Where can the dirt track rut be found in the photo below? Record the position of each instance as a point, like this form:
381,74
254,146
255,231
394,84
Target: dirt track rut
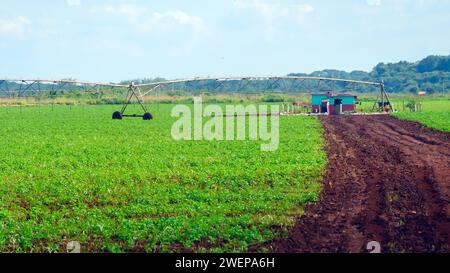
387,180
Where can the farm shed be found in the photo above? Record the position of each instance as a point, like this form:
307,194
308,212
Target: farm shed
334,104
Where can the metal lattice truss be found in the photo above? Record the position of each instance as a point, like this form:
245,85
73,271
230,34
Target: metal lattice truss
11,87
284,83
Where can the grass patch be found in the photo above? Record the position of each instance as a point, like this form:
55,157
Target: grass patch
434,120
435,114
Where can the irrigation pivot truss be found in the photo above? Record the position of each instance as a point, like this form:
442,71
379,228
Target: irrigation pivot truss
18,87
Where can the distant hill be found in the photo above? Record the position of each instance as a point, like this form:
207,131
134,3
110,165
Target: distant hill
431,74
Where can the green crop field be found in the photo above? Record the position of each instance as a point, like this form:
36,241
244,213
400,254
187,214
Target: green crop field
70,173
435,110
435,114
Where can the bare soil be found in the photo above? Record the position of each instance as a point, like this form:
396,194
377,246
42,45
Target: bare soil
387,180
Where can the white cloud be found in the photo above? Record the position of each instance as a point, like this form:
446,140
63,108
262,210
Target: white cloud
373,2
174,17
17,27
73,2
132,12
398,4
275,14
272,10
303,8
145,20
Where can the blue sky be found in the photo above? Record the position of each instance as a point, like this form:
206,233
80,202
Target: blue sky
102,40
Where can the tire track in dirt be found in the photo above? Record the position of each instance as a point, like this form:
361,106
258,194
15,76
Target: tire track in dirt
387,180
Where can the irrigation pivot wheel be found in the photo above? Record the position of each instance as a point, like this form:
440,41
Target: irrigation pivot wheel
148,116
117,115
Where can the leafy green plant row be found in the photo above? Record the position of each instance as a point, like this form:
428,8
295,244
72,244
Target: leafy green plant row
70,173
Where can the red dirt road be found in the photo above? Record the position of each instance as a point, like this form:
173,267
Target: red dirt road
387,180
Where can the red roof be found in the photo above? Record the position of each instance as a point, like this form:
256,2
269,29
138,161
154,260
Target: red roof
343,95
329,94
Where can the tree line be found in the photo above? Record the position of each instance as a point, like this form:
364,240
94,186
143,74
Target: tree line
431,75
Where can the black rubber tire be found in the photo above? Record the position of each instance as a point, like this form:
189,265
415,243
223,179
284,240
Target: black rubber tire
148,116
117,115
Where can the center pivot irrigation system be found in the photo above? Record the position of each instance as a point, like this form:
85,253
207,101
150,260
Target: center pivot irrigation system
20,87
